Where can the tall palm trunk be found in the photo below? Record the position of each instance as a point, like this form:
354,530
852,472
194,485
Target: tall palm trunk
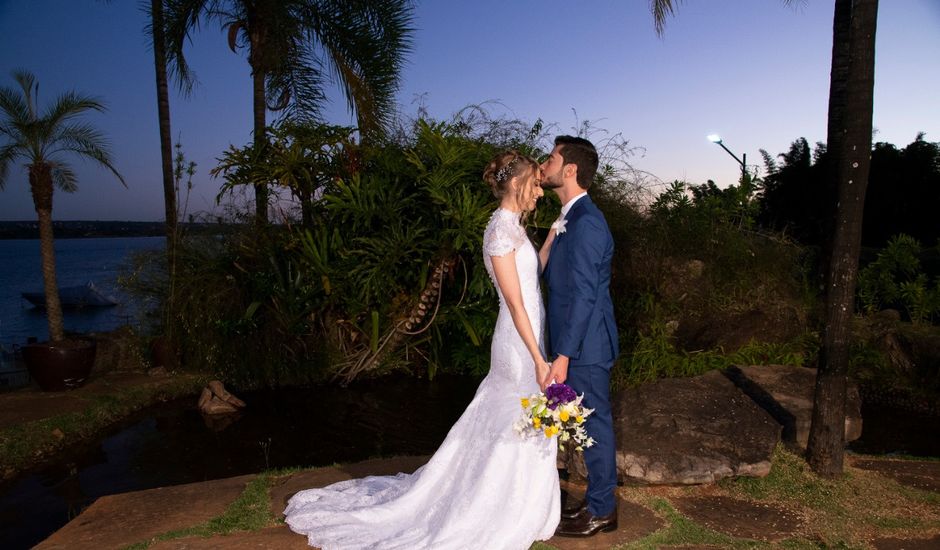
849,146
166,143
260,106
166,161
40,184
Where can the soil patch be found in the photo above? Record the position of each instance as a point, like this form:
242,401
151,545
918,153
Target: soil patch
633,523
918,474
908,544
741,518
117,521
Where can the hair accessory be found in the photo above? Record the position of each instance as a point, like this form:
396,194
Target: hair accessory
503,173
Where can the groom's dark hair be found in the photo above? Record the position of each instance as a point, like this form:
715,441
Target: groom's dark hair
581,153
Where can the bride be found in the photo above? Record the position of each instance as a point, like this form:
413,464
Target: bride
486,486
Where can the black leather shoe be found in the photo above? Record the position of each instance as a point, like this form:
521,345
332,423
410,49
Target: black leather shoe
573,508
587,525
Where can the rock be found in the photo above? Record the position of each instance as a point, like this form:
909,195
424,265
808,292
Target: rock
219,391
688,431
215,399
58,434
786,392
158,371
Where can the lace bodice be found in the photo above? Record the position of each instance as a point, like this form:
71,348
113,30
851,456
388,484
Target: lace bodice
504,234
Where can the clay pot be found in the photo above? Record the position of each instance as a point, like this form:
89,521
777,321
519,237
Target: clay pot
60,366
161,354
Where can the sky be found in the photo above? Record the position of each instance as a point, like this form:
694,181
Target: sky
755,72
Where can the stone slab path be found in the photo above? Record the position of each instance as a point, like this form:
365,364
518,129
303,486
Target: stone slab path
117,521
120,520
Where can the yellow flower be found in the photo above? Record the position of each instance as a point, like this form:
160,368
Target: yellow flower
548,432
579,419
564,416
536,422
554,430
525,403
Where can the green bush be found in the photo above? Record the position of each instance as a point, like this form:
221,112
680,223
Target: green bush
895,280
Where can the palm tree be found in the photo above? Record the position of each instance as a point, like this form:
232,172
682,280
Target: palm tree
41,140
293,44
848,141
156,30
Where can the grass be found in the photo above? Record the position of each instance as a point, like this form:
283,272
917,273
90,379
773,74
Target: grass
251,511
681,530
24,445
847,511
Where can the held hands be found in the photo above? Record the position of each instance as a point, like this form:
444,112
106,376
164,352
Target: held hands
541,372
558,372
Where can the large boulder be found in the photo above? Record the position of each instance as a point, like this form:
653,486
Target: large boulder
688,431
786,392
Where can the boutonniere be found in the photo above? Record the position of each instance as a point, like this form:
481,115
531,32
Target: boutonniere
559,226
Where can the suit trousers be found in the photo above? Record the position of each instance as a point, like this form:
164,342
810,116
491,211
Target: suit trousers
601,461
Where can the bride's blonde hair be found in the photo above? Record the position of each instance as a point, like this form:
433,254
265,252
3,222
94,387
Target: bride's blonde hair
505,166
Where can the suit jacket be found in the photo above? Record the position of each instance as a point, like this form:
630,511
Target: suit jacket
581,321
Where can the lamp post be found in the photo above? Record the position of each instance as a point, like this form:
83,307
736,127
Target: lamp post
715,138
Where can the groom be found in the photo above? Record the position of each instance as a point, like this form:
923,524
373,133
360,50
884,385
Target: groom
581,327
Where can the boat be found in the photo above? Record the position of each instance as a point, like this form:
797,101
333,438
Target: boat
86,295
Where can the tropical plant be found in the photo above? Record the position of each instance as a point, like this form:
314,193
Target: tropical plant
295,47
42,139
895,279
305,158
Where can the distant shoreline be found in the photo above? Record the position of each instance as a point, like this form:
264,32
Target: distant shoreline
92,229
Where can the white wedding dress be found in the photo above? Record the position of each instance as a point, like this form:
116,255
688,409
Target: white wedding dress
486,487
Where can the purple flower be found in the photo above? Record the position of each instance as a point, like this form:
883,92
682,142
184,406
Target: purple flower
558,394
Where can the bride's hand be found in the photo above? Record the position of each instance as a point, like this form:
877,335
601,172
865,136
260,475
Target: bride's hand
541,372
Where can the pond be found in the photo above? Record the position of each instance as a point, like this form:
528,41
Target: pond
171,443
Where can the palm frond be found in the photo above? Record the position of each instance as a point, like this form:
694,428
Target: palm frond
365,44
68,106
8,152
63,177
85,141
662,9
14,108
28,85
180,18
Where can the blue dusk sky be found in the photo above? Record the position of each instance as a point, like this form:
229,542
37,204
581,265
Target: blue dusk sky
754,71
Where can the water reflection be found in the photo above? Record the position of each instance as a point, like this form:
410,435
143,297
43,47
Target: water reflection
171,444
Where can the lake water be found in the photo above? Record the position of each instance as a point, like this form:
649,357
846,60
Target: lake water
78,261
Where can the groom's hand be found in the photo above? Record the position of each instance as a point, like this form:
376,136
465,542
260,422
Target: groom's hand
559,370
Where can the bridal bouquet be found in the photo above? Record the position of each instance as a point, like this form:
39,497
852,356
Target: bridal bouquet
556,412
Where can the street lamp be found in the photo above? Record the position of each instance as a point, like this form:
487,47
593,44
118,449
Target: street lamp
715,138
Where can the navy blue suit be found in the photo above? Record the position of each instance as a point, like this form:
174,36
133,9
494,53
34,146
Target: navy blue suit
581,326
